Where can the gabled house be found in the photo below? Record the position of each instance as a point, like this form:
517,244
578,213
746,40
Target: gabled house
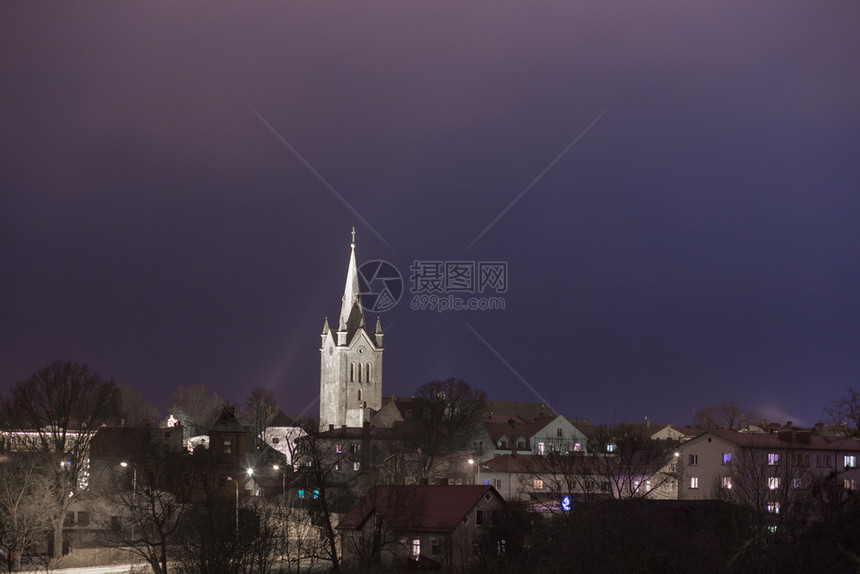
434,526
539,436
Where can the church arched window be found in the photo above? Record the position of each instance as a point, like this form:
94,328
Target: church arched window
359,394
367,372
359,371
352,372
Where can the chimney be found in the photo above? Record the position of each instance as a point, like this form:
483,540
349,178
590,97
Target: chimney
647,423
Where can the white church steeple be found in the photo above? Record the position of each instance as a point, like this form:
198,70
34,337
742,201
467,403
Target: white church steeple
350,361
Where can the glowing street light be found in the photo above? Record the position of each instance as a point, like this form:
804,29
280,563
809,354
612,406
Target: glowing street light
133,492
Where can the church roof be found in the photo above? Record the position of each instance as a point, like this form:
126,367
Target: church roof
351,312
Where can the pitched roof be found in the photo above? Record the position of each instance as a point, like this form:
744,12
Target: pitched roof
417,508
519,409
279,419
786,440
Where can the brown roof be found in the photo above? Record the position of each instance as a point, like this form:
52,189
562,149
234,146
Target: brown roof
804,440
519,409
417,508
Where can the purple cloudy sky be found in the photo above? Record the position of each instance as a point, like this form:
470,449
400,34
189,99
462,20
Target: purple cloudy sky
699,243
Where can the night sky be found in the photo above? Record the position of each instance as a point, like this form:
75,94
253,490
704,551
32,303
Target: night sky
678,184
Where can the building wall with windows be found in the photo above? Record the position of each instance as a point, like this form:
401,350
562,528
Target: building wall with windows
791,459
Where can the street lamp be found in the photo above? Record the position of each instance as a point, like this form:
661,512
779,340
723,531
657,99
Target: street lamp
133,492
283,479
236,484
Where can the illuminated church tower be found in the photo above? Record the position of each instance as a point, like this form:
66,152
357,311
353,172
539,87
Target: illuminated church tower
350,361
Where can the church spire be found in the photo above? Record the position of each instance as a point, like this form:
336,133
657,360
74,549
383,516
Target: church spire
351,313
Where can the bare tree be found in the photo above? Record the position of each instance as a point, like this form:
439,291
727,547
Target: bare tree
447,413
727,414
57,411
135,410
845,411
260,405
26,502
197,408
622,463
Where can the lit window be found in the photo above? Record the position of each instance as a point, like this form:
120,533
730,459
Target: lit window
773,483
541,448
316,493
773,507
577,447
338,448
228,447
538,484
647,486
416,548
727,482
356,466
694,482
848,484
796,482
727,458
301,493
610,447
635,486
772,459
850,461
694,459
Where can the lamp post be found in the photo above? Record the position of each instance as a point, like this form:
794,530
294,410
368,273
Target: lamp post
236,484
133,492
283,479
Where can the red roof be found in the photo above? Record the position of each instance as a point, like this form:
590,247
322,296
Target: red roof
417,508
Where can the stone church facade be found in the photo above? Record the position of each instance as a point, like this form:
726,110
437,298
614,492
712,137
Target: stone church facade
350,361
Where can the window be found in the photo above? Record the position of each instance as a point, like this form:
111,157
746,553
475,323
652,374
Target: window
772,459
822,460
647,486
69,519
694,482
773,507
83,518
541,448
356,466
359,372
590,484
354,447
337,466
301,493
367,373
338,448
416,548
228,447
359,394
479,517
727,458
538,484
850,461
352,372
727,482
796,482
635,486
610,447
694,459
848,484
559,432
521,444
498,483
276,440
800,459
773,483
577,447
435,548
